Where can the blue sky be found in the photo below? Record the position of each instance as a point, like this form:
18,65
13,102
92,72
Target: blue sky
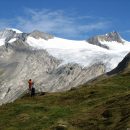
71,19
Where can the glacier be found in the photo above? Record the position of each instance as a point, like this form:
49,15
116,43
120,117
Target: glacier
81,52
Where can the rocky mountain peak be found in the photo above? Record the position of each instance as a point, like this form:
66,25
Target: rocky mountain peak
109,37
38,34
8,34
112,36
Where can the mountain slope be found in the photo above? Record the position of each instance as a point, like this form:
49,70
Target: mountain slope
54,64
19,62
101,105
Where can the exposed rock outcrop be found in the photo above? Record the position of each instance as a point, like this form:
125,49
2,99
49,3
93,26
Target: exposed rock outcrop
37,34
113,36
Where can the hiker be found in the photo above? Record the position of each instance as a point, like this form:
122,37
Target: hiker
30,84
33,90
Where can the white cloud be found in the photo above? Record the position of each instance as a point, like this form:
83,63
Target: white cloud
58,22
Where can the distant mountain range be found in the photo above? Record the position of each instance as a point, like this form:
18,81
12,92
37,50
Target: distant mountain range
55,64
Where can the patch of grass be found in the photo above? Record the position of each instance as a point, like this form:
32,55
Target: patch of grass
102,105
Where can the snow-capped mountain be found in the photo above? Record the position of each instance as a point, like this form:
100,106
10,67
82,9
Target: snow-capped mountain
106,40
55,64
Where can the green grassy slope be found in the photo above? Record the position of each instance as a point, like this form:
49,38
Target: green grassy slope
102,105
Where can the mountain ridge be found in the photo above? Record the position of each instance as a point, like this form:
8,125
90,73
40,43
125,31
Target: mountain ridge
110,36
55,64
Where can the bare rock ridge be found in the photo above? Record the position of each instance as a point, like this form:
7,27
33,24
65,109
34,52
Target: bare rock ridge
112,36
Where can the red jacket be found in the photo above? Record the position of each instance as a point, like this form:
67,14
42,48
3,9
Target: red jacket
30,84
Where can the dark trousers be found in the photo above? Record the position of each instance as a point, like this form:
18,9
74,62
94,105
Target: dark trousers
32,92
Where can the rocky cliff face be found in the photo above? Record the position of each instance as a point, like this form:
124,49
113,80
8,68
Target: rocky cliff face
19,62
